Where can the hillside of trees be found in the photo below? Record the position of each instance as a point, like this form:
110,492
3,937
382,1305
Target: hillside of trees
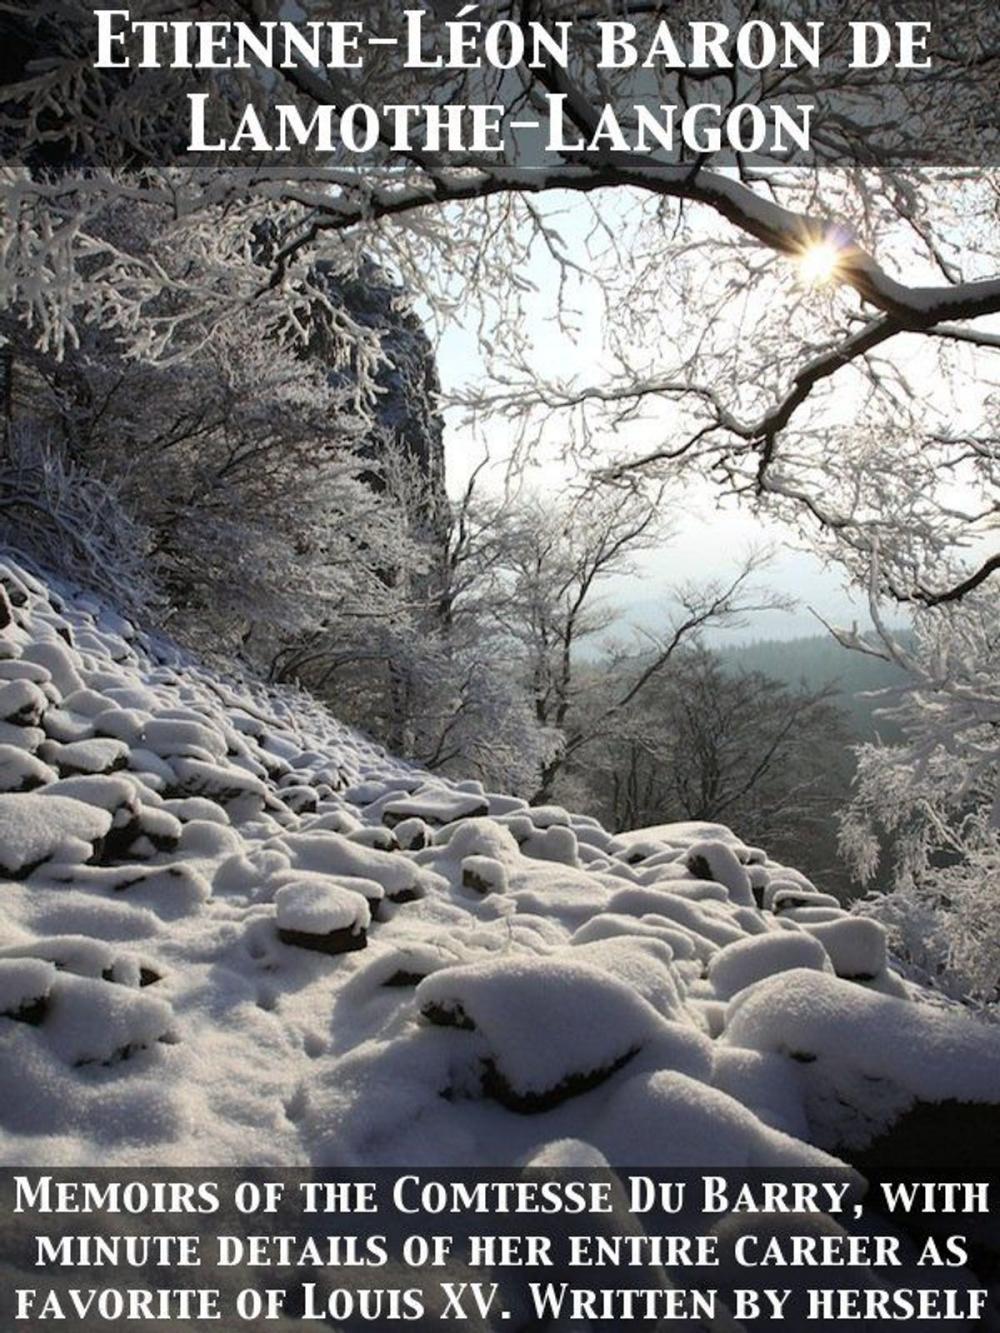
861,684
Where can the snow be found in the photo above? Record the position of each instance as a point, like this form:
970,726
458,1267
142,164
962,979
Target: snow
95,1022
567,1154
22,703
682,1122
609,924
86,702
122,724
173,736
70,953
479,837
63,726
84,756
28,738
554,843
645,964
681,834
412,834
316,908
544,1020
876,1052
568,898
35,829
715,861
856,945
21,771
58,661
104,792
548,816
484,874
17,669
191,808
195,777
153,830
434,806
533,988
709,930
781,896
766,1084
22,981
332,854
748,961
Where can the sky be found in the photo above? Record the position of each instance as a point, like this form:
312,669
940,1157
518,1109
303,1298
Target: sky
709,538
707,541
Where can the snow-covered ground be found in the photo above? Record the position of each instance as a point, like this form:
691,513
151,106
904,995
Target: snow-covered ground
233,931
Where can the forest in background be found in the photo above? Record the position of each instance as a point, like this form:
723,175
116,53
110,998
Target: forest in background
817,660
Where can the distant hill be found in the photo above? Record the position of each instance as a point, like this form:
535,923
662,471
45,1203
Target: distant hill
817,660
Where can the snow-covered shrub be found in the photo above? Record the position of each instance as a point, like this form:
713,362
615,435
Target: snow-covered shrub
247,462
933,797
72,520
452,700
944,920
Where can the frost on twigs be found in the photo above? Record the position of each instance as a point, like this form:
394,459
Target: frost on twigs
69,519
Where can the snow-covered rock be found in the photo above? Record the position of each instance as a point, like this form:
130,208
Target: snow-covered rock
34,830
182,736
717,861
645,964
327,916
741,964
22,771
22,703
91,756
686,1123
435,807
25,984
866,1058
97,1022
483,874
553,1027
856,946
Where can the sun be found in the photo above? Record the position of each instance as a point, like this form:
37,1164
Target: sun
818,263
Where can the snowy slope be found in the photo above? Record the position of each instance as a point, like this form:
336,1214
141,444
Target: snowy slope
233,931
